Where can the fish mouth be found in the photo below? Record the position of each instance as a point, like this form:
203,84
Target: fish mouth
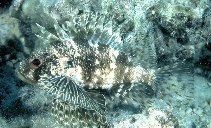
23,78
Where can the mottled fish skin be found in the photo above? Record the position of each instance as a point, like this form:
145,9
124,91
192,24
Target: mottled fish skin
76,117
84,53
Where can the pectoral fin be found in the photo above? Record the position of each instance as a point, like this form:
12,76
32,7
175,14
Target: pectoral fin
68,91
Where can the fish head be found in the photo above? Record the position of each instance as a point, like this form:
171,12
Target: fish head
30,69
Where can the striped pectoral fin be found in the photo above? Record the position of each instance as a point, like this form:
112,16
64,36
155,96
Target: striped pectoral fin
68,91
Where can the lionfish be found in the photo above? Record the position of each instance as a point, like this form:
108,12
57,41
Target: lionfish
83,54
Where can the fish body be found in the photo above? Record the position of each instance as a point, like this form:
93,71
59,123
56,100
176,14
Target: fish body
82,54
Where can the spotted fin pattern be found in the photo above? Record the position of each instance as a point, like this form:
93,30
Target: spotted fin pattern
77,117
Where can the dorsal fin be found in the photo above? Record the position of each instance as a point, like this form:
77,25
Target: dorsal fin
84,29
45,34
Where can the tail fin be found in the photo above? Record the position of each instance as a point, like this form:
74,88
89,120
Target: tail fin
177,69
175,83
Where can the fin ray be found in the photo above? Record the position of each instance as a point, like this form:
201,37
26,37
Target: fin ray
68,91
44,34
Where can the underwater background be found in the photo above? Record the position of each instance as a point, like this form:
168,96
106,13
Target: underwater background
178,32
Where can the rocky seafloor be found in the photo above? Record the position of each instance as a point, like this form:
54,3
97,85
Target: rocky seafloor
179,30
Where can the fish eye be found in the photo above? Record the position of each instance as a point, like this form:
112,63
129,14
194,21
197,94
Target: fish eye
36,62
